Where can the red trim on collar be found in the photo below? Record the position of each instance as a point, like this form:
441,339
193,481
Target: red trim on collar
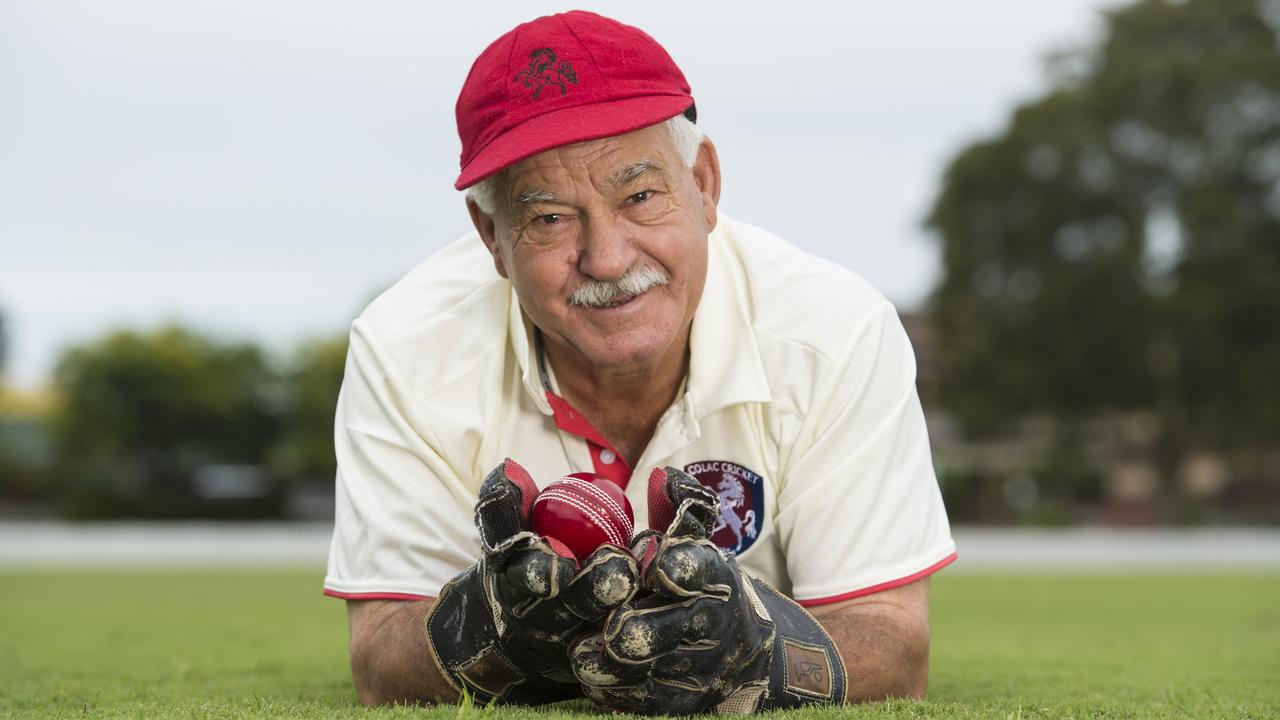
571,421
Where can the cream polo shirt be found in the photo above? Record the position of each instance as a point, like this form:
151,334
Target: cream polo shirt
799,409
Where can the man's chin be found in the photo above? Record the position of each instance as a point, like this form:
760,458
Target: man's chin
633,334
624,350
622,357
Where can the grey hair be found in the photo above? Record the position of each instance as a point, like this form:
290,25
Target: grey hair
600,293
685,136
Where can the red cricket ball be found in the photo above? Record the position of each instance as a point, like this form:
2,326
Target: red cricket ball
584,511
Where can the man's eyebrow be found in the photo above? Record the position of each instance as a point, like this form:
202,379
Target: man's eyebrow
628,173
529,197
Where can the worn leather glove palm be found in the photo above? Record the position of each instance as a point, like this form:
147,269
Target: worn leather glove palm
501,629
709,636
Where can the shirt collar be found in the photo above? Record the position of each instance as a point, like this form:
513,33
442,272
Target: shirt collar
724,364
521,335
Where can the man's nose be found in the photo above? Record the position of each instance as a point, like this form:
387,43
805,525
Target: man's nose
608,250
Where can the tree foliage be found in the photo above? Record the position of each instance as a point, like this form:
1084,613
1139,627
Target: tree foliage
4,348
140,413
1117,246
170,396
312,383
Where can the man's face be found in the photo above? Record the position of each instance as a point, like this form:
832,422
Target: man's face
587,226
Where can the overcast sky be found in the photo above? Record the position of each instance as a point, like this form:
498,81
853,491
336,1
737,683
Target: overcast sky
262,169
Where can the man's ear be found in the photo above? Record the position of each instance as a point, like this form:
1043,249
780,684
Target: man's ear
488,234
706,175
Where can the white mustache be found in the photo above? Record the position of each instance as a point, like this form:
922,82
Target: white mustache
598,293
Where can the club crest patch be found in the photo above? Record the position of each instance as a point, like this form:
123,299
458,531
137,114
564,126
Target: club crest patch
741,494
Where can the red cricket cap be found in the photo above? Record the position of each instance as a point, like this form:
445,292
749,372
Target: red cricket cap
559,80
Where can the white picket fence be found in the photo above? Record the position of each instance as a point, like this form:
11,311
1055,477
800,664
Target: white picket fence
306,545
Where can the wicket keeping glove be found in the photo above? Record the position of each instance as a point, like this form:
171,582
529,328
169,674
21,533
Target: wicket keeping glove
709,637
501,629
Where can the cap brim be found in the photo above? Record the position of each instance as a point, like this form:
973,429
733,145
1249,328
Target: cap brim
568,126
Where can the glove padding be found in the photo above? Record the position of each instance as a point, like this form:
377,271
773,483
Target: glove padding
501,629
709,637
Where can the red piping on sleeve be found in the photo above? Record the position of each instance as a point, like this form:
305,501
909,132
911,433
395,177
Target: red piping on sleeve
375,595
882,586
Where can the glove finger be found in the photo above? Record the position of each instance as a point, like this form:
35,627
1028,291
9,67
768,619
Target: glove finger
548,621
654,697
679,505
539,571
653,627
609,577
595,669
692,668
636,688
682,567
506,499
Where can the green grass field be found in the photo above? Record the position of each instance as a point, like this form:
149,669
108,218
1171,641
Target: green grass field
264,644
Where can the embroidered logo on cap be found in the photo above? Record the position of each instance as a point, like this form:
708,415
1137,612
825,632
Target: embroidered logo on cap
544,71
741,494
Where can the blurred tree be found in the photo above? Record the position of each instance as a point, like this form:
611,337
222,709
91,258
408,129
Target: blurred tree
165,402
312,383
1117,246
4,348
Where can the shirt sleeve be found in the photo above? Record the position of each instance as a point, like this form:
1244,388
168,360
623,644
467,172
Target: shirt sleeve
403,517
859,509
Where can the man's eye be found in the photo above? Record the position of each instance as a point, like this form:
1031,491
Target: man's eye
640,197
549,219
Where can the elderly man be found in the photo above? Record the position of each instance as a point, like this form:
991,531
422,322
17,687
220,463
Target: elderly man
756,404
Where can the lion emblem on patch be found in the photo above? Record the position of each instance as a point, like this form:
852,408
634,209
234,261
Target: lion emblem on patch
741,494
543,70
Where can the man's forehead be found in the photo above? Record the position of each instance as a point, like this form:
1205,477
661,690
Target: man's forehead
614,160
